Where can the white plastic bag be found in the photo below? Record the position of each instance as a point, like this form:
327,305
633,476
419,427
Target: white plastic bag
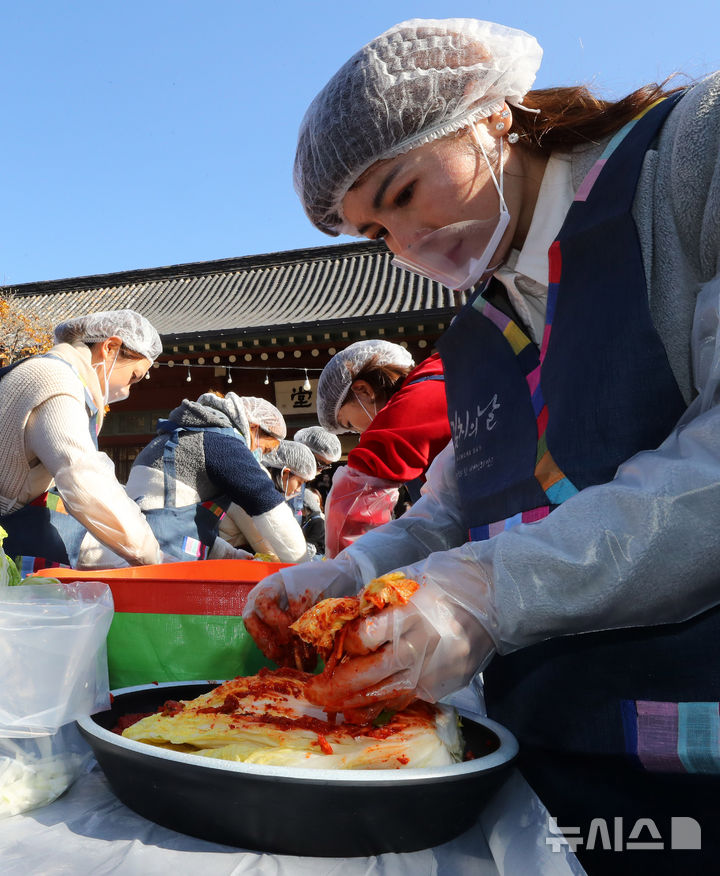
36,770
53,669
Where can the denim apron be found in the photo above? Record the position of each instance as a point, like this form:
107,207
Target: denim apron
188,532
43,534
612,725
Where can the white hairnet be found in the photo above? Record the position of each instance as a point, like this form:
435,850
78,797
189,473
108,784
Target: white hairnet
261,413
344,367
131,327
320,441
293,455
418,81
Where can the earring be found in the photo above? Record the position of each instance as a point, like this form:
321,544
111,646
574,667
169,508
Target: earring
513,137
500,126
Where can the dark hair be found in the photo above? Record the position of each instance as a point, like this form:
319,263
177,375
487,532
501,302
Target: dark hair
385,379
124,352
573,115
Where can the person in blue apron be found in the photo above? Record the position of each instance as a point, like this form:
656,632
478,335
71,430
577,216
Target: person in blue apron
60,501
374,388
206,456
566,542
291,465
326,449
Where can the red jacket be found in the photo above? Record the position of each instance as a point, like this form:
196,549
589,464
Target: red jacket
398,446
409,432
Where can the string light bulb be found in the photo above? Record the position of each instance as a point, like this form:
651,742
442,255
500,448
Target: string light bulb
188,378
267,378
229,378
306,385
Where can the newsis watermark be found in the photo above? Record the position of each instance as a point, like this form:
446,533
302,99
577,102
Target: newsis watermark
619,835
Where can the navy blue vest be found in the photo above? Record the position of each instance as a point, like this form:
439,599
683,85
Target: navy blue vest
530,428
187,532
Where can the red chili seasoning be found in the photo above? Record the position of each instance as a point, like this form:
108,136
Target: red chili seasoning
172,707
325,746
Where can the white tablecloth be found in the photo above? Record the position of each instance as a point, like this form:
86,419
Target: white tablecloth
89,832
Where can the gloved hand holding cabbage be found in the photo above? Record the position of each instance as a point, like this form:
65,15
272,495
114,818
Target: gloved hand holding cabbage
280,599
425,649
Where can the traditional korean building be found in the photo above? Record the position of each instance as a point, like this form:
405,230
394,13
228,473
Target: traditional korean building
262,325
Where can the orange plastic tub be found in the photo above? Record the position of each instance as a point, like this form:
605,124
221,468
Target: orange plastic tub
178,621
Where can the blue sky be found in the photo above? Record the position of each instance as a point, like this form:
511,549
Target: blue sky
154,132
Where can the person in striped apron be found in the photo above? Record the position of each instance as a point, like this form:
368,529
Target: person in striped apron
60,501
566,541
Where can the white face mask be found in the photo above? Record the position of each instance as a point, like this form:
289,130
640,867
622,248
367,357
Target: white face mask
117,394
449,254
295,492
370,416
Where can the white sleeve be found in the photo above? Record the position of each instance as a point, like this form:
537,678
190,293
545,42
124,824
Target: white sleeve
639,550
433,523
57,433
274,532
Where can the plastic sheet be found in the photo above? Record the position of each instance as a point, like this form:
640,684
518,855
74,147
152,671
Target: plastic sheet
90,831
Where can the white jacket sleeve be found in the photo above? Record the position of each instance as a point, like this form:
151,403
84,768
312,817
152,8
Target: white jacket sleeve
433,523
274,532
637,551
86,480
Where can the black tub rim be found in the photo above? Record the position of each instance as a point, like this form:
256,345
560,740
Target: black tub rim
505,753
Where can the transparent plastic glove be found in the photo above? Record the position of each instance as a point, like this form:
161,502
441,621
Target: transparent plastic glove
221,550
427,649
281,598
356,503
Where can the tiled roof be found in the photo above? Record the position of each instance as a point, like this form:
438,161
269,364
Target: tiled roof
342,284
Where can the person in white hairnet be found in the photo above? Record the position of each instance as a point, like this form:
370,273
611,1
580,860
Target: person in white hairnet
291,464
566,541
325,448
205,458
400,412
60,500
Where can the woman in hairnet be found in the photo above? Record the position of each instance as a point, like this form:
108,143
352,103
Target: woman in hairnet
325,448
567,539
51,410
400,411
205,457
290,466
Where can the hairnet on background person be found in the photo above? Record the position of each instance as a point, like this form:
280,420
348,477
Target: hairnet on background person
293,455
320,441
311,501
418,81
236,408
260,412
136,333
344,367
